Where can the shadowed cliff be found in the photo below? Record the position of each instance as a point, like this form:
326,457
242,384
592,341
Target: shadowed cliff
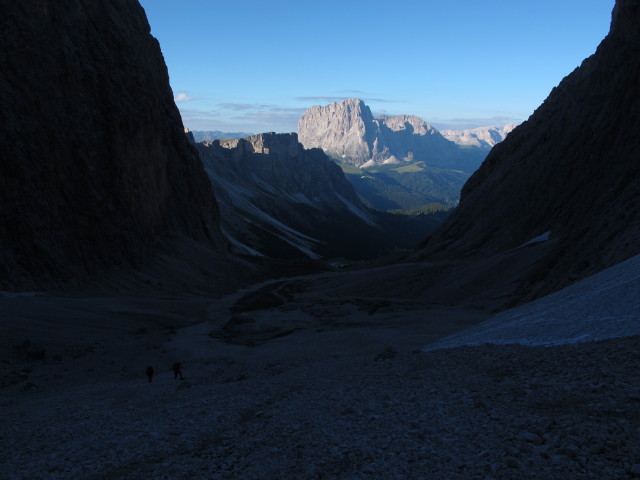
283,201
95,169
572,169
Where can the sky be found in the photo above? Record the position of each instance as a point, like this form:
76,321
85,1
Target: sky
256,66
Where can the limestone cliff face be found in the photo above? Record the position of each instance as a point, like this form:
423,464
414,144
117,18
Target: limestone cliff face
341,129
282,162
572,169
348,132
407,137
109,169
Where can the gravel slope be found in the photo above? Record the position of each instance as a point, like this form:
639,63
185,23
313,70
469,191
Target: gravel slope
340,404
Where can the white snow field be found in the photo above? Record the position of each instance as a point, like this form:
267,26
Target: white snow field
603,306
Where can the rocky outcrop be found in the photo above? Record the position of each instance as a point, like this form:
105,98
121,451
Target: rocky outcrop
572,169
282,162
342,129
348,132
109,171
276,198
484,138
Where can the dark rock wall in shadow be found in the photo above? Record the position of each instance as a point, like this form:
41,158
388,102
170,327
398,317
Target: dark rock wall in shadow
573,169
95,168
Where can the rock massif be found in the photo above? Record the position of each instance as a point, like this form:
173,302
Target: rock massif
394,162
280,200
572,169
341,129
348,132
110,170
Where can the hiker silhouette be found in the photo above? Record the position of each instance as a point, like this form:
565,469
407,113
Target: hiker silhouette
149,372
176,368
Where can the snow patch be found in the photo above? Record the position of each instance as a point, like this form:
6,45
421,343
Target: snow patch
605,305
238,244
392,160
539,239
301,246
358,212
368,163
302,198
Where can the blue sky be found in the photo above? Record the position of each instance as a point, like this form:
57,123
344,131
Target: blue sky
256,66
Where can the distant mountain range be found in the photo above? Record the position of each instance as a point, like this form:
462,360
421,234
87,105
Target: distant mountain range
210,135
396,162
280,200
348,132
484,138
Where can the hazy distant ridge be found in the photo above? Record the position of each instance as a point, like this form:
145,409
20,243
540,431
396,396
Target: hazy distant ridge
484,138
211,135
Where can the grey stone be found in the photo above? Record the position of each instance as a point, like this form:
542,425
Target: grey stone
531,438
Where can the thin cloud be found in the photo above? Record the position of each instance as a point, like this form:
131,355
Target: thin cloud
379,100
320,99
243,117
298,111
286,119
331,99
182,97
243,106
255,110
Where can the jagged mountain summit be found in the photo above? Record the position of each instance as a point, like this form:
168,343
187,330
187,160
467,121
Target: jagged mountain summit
571,173
484,138
281,200
110,172
348,132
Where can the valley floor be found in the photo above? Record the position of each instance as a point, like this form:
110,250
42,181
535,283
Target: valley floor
352,399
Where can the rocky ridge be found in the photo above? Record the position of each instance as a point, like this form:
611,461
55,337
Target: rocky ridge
110,172
279,199
571,170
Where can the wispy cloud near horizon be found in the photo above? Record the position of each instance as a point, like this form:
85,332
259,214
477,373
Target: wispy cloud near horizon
244,106
182,97
243,117
332,99
264,117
